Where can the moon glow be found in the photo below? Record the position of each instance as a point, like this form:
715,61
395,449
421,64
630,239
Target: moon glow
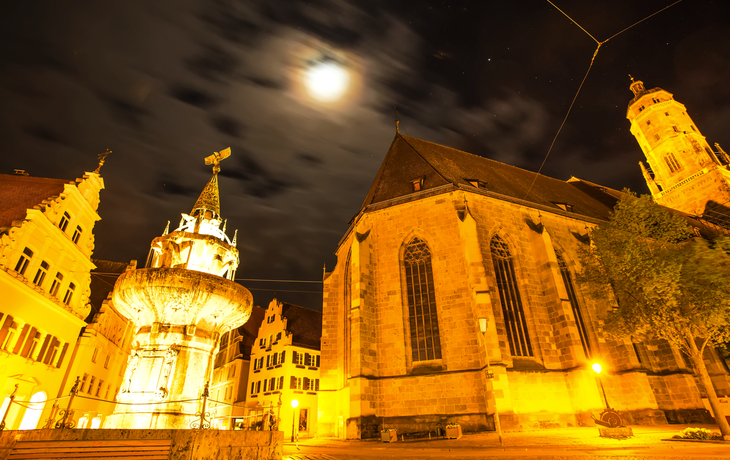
327,81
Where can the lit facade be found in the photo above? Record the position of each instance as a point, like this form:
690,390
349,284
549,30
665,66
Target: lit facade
180,303
230,373
46,242
684,172
285,363
445,238
100,354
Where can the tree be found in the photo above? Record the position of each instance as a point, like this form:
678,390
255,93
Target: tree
667,283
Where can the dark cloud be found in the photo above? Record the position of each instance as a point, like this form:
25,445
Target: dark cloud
166,185
193,96
45,133
310,159
125,112
227,126
253,177
267,83
213,63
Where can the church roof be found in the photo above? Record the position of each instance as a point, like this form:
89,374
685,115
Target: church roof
18,193
410,159
304,324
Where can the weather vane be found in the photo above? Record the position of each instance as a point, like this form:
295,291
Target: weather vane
632,78
102,158
216,159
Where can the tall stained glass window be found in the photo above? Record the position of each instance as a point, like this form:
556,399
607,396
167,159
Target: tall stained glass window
580,324
509,295
422,315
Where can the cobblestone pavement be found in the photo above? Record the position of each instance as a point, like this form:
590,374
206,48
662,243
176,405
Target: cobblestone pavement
548,444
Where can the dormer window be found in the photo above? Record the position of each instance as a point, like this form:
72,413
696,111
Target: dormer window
417,184
65,219
648,122
676,130
477,183
565,206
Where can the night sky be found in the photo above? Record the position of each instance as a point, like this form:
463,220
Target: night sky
163,84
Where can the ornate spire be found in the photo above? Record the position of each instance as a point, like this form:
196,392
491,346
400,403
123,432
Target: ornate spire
209,199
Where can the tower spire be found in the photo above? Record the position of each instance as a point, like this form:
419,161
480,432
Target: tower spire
209,199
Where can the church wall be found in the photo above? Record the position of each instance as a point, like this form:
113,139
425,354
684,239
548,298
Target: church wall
556,385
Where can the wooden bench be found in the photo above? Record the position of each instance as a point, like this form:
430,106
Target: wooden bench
125,449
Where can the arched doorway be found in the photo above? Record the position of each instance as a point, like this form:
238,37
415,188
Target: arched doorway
33,412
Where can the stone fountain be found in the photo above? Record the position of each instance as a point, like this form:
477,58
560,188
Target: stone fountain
180,303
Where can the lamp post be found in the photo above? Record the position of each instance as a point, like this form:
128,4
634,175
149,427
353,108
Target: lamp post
294,404
490,391
597,369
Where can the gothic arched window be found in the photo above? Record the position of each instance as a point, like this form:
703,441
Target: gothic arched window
346,312
580,324
422,315
514,315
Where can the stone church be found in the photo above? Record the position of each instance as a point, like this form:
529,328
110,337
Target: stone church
445,238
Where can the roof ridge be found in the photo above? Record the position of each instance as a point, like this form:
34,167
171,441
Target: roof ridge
488,159
419,154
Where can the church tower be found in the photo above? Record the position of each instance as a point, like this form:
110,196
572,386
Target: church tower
683,171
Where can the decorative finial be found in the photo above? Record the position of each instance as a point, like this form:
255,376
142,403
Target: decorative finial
235,238
102,158
225,223
397,121
167,229
324,270
216,159
632,78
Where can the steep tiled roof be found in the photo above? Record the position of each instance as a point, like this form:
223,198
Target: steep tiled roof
410,159
18,193
304,324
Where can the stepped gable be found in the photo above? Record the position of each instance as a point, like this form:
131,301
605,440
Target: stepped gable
304,324
409,159
19,193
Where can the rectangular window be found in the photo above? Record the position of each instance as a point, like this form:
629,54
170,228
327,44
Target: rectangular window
93,355
317,363
98,387
307,359
268,360
282,357
272,384
305,385
106,362
316,384
40,275
56,285
676,130
253,387
258,386
91,385
228,393
22,264
656,136
77,235
69,293
280,386
83,382
295,383
64,221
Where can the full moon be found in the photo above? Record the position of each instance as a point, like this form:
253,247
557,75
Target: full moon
327,81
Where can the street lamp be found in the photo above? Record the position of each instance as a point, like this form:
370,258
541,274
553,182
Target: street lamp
490,376
294,405
597,369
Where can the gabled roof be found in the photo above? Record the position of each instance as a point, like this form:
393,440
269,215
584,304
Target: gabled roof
304,324
19,193
410,159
